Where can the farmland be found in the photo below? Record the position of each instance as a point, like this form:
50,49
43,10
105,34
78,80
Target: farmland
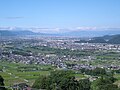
12,75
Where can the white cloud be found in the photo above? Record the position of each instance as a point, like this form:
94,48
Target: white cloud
58,30
86,28
13,18
45,30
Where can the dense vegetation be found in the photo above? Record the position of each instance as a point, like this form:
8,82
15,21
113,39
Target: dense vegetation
61,80
2,83
95,72
104,83
57,79
65,80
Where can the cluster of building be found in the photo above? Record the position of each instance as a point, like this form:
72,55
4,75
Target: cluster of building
54,59
70,44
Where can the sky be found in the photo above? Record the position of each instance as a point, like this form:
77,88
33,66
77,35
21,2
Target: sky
58,15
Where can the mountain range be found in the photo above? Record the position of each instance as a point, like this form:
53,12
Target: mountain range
102,36
110,39
15,33
6,33
80,33
93,33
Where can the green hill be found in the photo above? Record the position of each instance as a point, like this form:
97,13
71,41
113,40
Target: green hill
110,39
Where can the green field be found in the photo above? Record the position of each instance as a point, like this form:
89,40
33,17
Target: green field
12,75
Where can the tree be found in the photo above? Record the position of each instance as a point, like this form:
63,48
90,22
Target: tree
62,80
99,71
104,83
84,84
2,83
41,82
69,84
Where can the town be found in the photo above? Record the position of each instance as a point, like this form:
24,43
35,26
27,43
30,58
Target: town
61,52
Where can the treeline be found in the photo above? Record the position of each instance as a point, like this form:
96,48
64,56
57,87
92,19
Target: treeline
23,53
18,52
27,68
95,72
33,68
98,72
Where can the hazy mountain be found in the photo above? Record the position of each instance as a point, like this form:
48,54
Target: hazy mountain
23,33
15,33
79,33
110,39
115,39
6,33
93,33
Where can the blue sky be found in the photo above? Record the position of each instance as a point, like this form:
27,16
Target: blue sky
60,13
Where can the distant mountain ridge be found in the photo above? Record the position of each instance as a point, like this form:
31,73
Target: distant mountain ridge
110,39
16,33
62,32
93,33
23,33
